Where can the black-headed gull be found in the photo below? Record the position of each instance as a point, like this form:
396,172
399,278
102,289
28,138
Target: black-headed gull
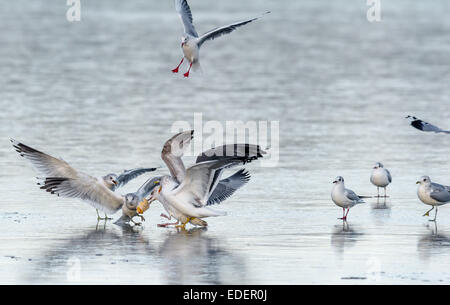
424,126
191,42
343,197
380,177
187,194
432,194
59,178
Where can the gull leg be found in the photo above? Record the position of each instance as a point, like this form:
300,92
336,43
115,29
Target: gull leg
385,192
435,215
164,225
136,223
176,69
141,217
98,216
344,217
187,73
378,191
428,212
107,218
183,225
165,216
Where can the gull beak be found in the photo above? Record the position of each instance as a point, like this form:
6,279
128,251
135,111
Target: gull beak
115,182
418,182
334,181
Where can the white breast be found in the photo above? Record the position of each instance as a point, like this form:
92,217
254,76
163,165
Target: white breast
379,177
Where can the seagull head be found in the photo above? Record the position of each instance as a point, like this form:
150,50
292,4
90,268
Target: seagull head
131,201
184,40
338,180
110,180
378,165
424,180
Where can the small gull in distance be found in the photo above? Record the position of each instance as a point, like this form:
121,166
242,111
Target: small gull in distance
191,42
425,126
380,177
343,197
433,194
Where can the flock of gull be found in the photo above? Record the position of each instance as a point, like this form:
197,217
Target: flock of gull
430,193
187,194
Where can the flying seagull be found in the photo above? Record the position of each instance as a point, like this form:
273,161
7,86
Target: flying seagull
59,178
380,177
425,126
343,197
432,194
187,194
191,41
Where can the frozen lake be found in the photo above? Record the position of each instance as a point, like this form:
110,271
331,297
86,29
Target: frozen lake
100,94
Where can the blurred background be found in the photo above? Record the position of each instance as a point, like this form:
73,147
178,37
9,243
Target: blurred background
100,94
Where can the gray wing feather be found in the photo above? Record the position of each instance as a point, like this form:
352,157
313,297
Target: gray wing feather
147,187
389,176
131,174
220,31
226,187
425,126
184,11
440,192
352,195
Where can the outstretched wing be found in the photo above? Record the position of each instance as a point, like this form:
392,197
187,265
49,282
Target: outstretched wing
45,164
201,180
227,29
131,174
184,11
440,193
226,187
249,151
85,188
172,152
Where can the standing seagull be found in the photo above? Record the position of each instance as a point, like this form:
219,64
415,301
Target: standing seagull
380,177
191,42
62,179
432,194
343,197
425,126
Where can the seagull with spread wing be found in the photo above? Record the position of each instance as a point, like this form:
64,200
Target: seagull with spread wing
191,41
59,178
425,126
187,194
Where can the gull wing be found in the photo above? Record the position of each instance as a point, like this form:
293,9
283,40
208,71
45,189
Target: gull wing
184,11
440,192
226,187
249,151
223,30
172,152
86,188
425,126
131,174
45,164
201,179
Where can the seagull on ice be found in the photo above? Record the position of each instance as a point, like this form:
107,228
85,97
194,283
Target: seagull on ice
59,178
425,126
343,197
380,177
191,41
432,194
187,194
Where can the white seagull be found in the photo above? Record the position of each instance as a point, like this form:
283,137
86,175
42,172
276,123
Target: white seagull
432,194
59,178
425,126
191,42
187,194
343,197
380,177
